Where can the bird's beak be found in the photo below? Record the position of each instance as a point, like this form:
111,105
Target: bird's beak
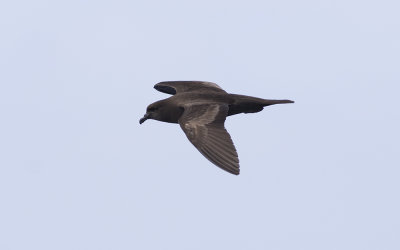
145,117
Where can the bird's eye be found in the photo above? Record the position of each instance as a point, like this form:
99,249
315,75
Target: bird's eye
152,109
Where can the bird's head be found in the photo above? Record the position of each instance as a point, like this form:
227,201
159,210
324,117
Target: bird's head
154,111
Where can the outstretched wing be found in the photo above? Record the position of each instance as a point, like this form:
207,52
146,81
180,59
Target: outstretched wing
173,87
203,125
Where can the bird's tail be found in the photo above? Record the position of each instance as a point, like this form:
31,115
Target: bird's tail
249,104
266,102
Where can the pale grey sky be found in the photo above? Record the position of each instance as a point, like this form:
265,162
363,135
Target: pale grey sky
77,171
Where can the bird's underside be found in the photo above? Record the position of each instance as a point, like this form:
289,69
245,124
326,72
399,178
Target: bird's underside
201,109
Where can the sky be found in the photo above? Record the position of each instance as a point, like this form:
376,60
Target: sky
77,171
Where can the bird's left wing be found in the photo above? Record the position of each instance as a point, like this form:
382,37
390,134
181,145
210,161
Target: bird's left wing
174,87
203,125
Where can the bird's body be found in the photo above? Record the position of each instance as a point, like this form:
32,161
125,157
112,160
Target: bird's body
201,109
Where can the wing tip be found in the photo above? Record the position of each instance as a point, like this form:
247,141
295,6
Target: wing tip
236,172
165,89
231,170
172,87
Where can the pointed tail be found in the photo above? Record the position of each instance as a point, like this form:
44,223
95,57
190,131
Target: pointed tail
249,104
272,102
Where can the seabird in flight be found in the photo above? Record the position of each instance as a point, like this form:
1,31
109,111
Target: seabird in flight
201,108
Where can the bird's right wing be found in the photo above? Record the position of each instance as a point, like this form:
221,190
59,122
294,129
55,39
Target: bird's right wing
173,87
203,125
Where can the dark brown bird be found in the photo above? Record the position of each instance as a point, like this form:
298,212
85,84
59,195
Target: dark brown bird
201,108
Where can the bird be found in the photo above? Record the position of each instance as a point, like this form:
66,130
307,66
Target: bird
201,108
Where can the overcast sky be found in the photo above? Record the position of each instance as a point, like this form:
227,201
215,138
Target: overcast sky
77,171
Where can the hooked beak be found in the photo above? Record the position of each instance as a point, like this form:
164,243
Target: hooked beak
145,117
